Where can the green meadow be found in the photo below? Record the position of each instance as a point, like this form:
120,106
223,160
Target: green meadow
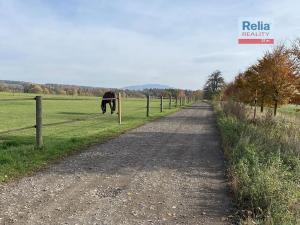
290,109
18,155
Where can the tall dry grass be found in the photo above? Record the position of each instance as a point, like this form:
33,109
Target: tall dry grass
263,164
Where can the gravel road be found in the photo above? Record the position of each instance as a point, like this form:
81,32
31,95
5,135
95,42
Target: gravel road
170,171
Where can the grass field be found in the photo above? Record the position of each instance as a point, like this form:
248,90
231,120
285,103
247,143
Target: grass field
290,109
18,155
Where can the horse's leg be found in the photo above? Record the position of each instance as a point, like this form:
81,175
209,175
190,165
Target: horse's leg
103,106
114,105
111,110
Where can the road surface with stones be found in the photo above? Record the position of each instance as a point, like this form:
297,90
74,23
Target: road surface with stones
170,171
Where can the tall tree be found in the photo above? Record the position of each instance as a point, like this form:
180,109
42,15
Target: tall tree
257,79
214,84
295,52
282,75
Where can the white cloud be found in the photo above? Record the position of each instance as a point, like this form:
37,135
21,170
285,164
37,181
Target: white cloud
120,43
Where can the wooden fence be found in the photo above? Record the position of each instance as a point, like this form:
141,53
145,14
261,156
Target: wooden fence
178,102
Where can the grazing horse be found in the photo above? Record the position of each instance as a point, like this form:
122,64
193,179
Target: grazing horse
108,98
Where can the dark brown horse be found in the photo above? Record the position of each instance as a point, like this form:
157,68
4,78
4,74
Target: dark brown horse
108,98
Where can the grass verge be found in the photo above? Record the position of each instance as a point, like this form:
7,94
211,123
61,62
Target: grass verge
263,166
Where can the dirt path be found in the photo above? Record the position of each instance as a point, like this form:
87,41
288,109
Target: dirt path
167,172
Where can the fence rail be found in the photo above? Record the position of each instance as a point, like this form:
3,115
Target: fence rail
15,99
71,99
178,101
16,129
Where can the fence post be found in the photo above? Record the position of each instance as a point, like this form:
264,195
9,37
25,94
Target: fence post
170,102
39,122
176,101
255,101
119,108
148,106
161,103
180,101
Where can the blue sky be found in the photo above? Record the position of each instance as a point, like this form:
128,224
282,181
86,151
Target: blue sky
116,43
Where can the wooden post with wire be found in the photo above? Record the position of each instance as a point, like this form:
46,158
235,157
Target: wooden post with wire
176,101
161,103
148,106
119,108
39,122
170,101
255,102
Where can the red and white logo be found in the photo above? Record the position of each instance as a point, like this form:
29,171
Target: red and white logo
255,31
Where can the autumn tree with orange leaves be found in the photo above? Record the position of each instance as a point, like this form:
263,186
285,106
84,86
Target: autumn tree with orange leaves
282,75
273,80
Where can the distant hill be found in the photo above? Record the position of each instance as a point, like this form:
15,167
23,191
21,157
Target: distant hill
146,86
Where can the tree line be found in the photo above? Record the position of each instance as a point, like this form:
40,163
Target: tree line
59,89
272,81
74,90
